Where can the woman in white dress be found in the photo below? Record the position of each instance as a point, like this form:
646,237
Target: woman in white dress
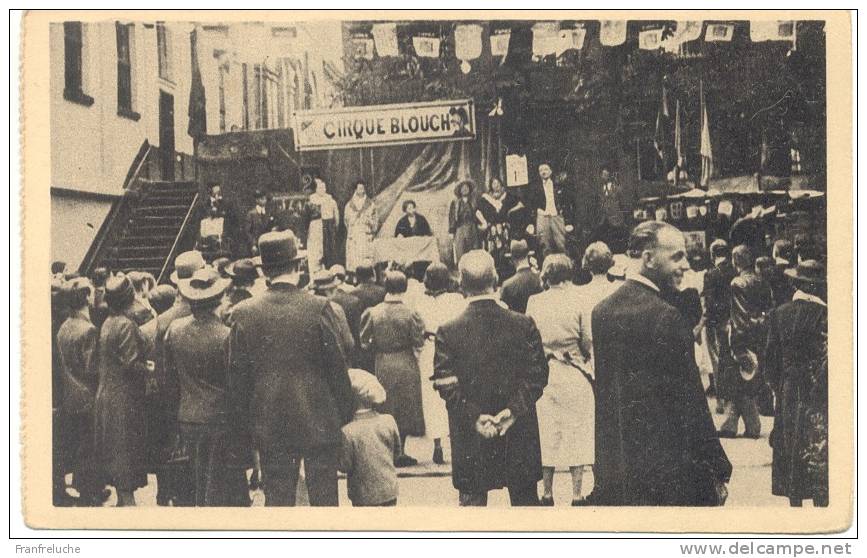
566,408
322,228
435,307
361,221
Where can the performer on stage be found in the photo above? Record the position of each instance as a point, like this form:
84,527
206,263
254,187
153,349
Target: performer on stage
462,220
322,228
361,224
412,223
492,214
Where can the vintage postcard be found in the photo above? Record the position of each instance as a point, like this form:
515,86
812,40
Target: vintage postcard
438,271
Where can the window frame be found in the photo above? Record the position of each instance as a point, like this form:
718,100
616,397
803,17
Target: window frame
125,99
73,64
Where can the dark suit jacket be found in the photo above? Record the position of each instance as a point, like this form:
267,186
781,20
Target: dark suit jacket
421,228
717,293
77,341
257,225
494,372
656,443
370,294
287,371
518,289
563,199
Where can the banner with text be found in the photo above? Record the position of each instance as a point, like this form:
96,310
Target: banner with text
375,125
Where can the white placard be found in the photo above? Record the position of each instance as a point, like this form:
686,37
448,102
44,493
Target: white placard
516,170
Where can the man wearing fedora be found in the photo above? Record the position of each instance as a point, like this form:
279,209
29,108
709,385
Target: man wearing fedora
243,274
518,288
656,444
751,300
288,378
796,365
260,219
162,402
325,285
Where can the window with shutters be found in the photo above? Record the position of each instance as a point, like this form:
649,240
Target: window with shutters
125,72
73,70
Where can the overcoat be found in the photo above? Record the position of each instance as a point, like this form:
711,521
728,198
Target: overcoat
518,289
656,443
288,381
498,360
796,365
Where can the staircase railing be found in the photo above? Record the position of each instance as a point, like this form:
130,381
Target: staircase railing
120,211
182,239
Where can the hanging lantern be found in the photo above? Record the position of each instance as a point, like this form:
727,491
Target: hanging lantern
546,38
468,44
385,37
612,32
500,42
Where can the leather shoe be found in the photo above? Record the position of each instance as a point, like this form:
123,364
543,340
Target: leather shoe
546,501
438,456
726,434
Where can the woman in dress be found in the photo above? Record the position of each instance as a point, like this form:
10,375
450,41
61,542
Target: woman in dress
435,307
462,220
492,214
322,228
566,408
394,332
412,223
598,262
361,224
120,429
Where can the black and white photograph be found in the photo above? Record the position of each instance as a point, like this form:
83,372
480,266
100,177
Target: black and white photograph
514,260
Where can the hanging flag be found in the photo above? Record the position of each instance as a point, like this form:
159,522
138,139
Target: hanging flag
663,131
570,39
612,32
362,47
468,41
706,150
500,42
385,37
678,141
546,38
196,111
772,31
426,46
719,32
650,39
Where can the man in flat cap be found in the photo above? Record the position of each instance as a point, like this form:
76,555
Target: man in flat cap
288,378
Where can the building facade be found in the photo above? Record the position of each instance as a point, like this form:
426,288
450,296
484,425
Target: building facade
115,85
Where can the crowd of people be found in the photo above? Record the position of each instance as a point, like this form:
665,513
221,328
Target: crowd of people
236,373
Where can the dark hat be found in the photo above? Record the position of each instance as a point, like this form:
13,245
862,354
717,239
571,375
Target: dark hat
324,279
518,249
243,270
186,264
468,183
808,271
278,249
119,292
205,284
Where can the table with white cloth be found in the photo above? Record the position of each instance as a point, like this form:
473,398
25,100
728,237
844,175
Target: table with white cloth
405,251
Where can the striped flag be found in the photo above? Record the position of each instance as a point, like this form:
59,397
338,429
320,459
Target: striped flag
706,150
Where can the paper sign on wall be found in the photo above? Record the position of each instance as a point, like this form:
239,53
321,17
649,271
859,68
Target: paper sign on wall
516,170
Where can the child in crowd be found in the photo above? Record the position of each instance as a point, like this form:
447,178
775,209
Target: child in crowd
371,443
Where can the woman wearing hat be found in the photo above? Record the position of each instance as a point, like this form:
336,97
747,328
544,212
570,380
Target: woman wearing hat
462,220
196,358
120,429
394,332
796,365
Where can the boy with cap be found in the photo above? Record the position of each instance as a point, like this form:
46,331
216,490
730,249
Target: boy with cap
371,443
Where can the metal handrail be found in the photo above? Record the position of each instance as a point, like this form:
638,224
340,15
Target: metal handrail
119,210
181,233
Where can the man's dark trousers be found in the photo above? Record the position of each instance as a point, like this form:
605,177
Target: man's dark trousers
280,469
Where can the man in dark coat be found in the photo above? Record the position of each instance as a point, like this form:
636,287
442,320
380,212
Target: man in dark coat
370,294
716,298
518,288
490,368
288,378
655,440
260,220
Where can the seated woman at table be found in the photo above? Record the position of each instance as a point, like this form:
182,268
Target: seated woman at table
412,223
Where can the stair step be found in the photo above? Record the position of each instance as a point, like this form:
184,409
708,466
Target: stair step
143,251
163,210
139,263
146,239
169,198
157,220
